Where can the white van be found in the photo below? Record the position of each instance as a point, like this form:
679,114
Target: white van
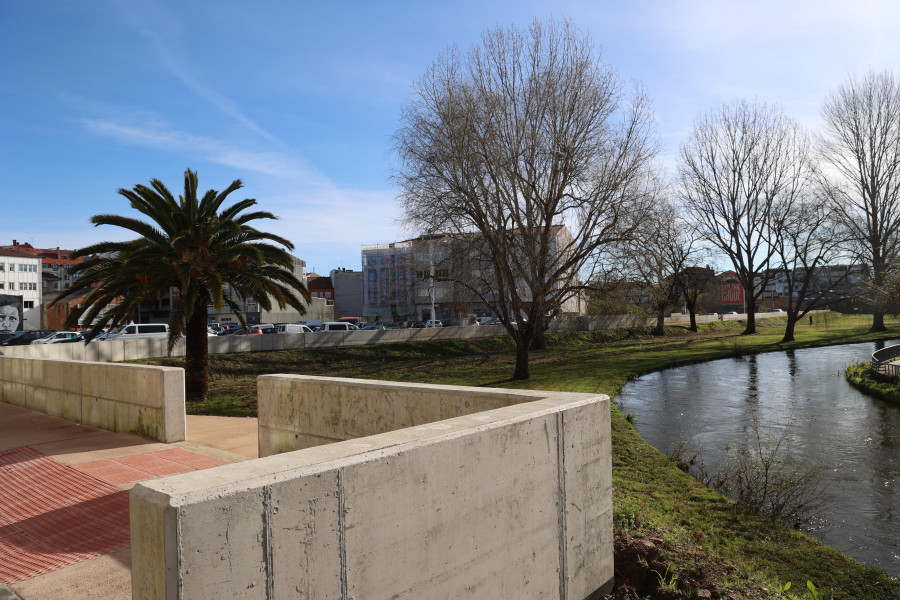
293,328
140,331
338,326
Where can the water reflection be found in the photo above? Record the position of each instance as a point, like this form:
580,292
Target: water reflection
858,438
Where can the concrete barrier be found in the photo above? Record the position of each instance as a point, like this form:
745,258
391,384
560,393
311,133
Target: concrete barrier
513,502
119,350
297,412
143,399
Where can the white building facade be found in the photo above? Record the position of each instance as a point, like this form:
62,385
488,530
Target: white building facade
20,275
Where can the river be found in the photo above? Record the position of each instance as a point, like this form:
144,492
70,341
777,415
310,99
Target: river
857,437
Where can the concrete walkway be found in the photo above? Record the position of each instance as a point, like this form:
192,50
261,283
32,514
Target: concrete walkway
63,497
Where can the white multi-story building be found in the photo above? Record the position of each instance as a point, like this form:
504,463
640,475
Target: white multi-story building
20,275
404,280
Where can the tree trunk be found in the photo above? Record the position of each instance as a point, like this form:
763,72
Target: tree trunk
660,322
538,339
878,320
693,320
751,313
196,358
521,371
789,330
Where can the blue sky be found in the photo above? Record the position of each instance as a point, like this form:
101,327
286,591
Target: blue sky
300,99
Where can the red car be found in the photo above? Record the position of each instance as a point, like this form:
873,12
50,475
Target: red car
248,331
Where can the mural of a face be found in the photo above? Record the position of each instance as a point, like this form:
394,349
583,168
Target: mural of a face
9,319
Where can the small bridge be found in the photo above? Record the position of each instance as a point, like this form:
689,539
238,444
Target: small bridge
884,361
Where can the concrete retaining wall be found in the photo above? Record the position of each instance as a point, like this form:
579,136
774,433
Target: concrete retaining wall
147,400
119,350
297,412
514,502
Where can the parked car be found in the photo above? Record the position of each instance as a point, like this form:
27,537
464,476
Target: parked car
141,331
484,320
338,326
374,328
266,328
248,331
433,323
56,337
24,338
293,328
392,325
81,336
778,310
417,325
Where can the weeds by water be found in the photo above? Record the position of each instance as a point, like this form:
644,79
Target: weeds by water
759,474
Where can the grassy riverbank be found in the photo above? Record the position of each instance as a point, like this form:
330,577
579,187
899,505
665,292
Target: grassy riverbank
671,532
859,377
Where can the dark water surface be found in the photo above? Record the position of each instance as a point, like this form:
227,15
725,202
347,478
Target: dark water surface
857,437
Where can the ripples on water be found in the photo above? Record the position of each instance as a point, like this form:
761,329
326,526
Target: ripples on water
857,437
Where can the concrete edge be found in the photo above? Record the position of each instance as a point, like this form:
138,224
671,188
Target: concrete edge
224,480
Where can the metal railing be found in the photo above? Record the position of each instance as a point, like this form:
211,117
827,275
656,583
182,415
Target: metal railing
881,361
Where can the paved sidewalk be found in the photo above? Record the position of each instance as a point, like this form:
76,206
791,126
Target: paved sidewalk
64,503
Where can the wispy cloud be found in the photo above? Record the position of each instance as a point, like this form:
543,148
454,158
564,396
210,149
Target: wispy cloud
160,137
163,32
311,207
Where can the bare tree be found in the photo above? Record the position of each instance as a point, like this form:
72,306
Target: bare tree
808,242
657,258
695,276
741,170
862,147
527,135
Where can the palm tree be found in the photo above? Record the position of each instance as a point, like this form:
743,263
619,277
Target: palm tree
188,246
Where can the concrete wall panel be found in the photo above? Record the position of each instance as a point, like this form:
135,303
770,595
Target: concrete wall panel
223,543
144,399
463,534
306,551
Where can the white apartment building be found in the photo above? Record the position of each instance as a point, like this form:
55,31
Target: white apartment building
20,275
403,280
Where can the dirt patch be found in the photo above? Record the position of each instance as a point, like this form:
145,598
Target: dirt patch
645,568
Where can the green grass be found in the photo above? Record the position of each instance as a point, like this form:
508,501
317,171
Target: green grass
878,387
704,538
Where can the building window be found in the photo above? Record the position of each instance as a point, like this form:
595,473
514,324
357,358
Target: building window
55,266
44,284
2,267
1,285
28,304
